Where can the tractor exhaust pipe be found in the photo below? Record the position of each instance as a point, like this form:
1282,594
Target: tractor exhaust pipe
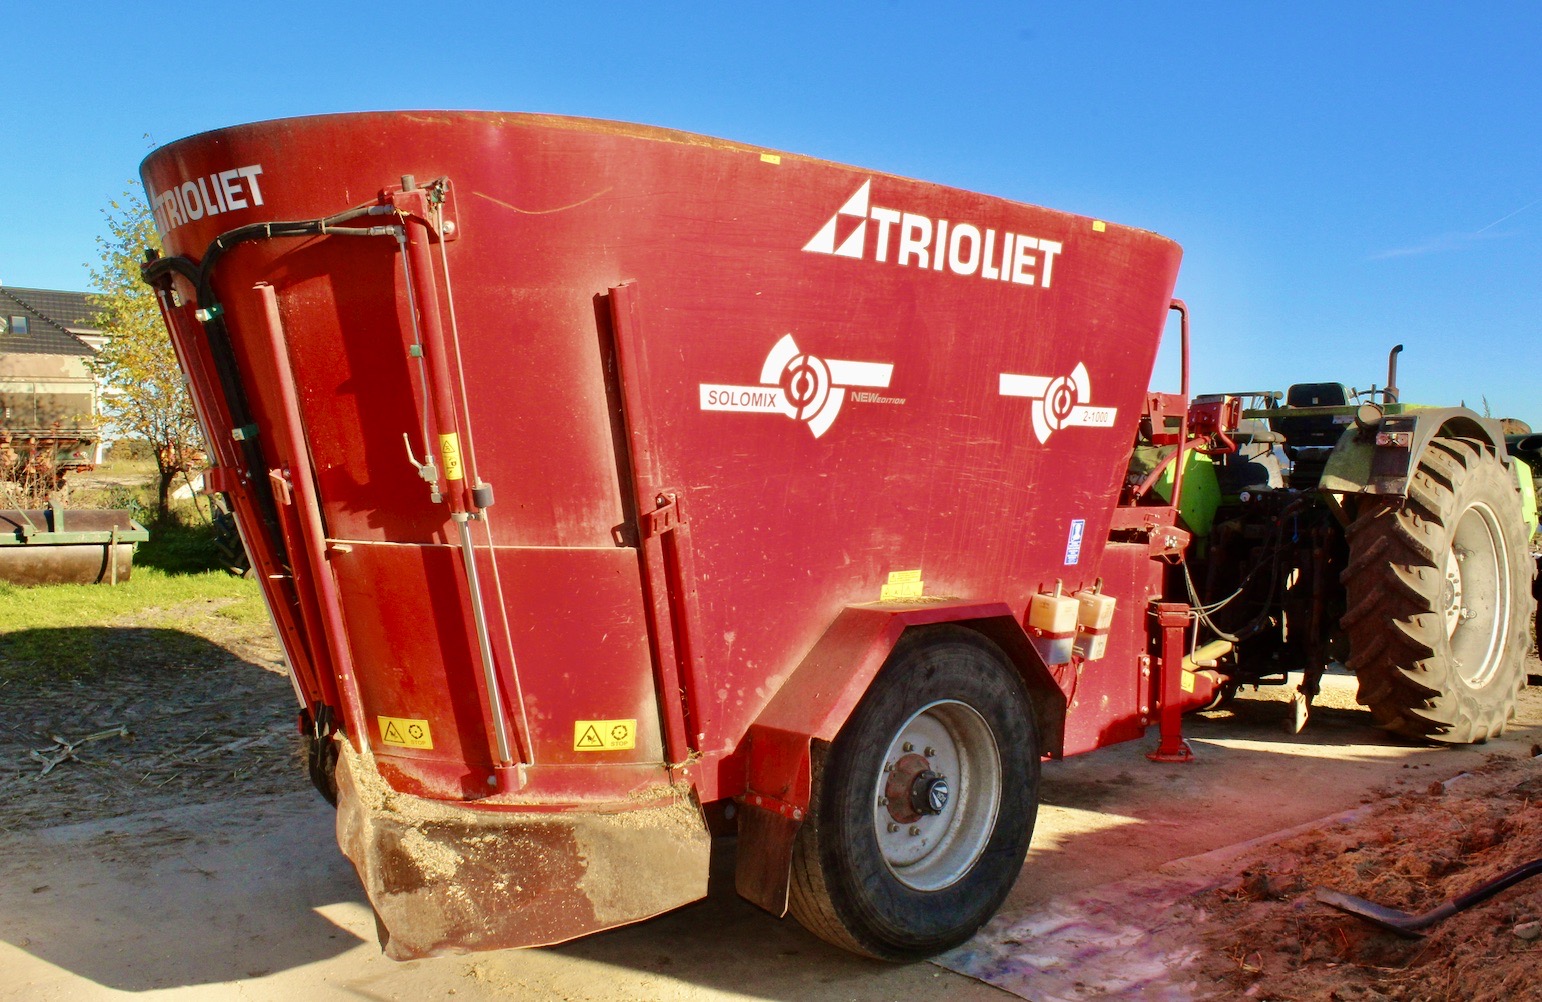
1390,396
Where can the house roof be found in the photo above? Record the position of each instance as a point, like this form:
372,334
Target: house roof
53,317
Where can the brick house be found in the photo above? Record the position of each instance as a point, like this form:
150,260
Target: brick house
46,338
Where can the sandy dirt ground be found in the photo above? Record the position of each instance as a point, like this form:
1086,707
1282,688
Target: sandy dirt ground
194,861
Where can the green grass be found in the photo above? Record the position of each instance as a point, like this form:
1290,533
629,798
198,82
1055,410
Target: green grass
176,602
75,631
50,606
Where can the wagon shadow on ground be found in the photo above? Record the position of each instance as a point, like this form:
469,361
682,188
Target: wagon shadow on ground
182,846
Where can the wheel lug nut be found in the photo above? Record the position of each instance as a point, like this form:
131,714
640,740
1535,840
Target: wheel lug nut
883,801
929,751
909,746
893,827
915,829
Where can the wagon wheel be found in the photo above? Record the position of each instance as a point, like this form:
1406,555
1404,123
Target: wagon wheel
924,806
1439,599
229,548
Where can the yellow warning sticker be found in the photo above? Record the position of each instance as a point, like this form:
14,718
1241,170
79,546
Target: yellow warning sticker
1098,226
405,732
770,158
604,735
902,584
1186,681
449,451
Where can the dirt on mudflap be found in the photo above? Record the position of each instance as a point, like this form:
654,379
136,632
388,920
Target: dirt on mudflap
1268,938
176,719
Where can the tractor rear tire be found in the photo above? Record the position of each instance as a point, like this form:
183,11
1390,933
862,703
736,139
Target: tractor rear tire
884,866
1439,599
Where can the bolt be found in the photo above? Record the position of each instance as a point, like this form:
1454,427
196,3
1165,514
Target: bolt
883,801
909,747
893,827
929,751
888,767
915,829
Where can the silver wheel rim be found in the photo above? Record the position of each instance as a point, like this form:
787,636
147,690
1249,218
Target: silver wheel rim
1476,596
953,743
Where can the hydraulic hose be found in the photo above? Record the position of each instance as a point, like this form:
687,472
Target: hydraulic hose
157,273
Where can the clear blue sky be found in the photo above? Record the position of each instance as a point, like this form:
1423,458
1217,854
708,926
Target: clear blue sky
1342,176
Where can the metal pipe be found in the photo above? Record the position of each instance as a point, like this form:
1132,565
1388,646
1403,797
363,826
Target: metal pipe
1183,421
282,603
479,616
312,533
1390,393
440,394
457,494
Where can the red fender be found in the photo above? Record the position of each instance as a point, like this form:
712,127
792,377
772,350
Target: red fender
815,703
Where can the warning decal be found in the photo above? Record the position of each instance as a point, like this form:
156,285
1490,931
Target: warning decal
604,735
405,732
902,585
449,451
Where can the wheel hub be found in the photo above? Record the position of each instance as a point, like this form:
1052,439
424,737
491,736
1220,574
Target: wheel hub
929,793
1476,595
937,796
905,791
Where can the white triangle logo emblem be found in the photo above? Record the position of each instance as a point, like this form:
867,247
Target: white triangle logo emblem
852,245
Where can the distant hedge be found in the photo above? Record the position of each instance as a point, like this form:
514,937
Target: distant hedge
132,448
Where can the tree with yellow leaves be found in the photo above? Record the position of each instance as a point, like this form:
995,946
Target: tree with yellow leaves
145,394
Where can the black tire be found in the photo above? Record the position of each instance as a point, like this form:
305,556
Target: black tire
882,891
321,765
1439,599
228,546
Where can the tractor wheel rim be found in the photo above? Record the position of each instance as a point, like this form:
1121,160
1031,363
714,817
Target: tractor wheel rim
1477,593
924,847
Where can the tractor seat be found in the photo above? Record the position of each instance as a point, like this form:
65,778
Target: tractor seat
1312,430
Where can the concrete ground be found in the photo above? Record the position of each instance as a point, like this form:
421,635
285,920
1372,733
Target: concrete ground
248,897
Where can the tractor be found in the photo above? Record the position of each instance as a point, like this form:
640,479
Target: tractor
1344,528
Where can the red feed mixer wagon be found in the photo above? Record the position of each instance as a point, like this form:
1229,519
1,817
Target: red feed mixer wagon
613,486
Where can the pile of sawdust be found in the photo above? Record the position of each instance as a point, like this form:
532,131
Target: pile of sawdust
1272,939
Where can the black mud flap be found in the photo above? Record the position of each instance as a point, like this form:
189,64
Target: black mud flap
447,879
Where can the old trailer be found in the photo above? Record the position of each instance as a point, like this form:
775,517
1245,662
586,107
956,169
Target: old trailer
814,511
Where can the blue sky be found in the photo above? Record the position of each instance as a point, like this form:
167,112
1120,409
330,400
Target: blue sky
1342,176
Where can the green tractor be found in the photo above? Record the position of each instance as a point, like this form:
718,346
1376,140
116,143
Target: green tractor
1339,527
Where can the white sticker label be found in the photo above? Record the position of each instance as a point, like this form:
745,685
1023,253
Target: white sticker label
1073,543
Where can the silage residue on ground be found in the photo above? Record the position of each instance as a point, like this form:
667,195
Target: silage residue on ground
1268,937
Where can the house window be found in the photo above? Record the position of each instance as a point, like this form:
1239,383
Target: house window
19,326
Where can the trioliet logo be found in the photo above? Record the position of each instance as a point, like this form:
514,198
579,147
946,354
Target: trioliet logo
911,240
216,193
